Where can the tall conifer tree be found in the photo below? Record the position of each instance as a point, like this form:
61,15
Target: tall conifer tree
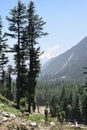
16,25
3,57
34,31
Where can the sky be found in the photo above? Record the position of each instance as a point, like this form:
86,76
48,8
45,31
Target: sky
66,23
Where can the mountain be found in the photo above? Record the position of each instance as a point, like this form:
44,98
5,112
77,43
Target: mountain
69,65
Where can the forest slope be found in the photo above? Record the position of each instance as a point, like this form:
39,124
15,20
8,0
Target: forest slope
68,66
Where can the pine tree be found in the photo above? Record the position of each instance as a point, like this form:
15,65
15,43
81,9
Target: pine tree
34,31
23,66
63,99
16,25
69,112
3,57
78,109
84,108
9,82
53,106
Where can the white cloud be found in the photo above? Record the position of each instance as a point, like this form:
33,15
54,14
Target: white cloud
50,53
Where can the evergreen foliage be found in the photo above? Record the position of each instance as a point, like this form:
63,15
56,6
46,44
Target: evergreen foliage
16,25
25,27
3,57
66,101
34,31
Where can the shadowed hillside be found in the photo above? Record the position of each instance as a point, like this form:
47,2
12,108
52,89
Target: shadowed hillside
68,66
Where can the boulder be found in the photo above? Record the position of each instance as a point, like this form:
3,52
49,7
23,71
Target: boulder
33,124
52,123
12,116
2,105
23,126
4,119
5,114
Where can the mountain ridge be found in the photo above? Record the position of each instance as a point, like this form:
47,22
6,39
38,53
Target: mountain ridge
69,65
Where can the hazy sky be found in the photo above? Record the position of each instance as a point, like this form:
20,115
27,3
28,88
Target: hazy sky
66,22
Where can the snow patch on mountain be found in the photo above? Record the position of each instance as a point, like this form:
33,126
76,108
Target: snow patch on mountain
70,57
68,60
63,77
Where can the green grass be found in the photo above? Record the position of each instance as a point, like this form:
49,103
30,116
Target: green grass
10,110
7,107
35,117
